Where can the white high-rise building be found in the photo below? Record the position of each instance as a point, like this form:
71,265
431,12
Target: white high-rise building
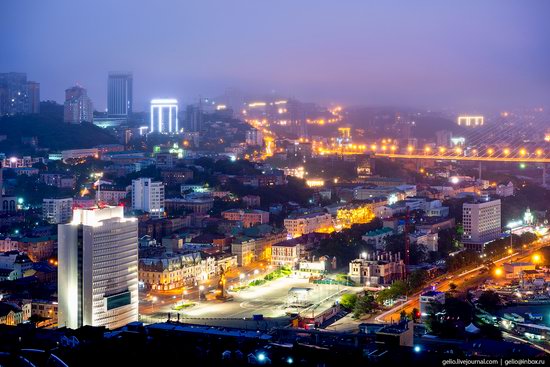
56,211
148,196
98,269
164,116
481,221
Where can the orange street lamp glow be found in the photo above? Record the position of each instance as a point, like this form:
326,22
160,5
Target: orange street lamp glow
539,152
393,148
373,147
490,151
410,149
522,151
498,272
427,149
506,151
458,151
537,258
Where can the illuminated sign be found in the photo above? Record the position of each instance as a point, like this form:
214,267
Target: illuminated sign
164,116
470,121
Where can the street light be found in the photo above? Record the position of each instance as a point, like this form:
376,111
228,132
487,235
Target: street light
498,272
537,258
154,299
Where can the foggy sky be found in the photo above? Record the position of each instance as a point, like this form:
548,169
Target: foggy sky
467,53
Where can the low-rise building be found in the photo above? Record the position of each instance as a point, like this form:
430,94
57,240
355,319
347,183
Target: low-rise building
285,254
377,269
427,239
10,314
516,269
174,176
112,195
378,237
505,190
248,217
298,225
38,248
426,300
197,203
60,180
14,265
251,201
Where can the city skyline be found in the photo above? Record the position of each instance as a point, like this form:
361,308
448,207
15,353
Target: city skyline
428,54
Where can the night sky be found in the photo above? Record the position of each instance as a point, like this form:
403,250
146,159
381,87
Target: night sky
467,53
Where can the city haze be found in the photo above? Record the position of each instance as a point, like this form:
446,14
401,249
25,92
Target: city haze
434,54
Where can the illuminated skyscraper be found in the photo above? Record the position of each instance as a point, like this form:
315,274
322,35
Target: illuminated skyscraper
164,116
119,94
78,106
98,269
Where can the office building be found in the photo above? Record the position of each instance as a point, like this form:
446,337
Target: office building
443,138
119,94
78,106
98,269
254,137
248,217
285,254
17,95
33,93
193,118
56,211
308,223
164,116
482,222
148,196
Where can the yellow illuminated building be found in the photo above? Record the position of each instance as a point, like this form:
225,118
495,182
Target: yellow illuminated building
346,217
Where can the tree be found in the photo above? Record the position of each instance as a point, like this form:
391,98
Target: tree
348,300
396,244
489,300
402,315
364,304
417,279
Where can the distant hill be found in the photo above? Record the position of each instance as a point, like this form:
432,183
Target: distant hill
51,132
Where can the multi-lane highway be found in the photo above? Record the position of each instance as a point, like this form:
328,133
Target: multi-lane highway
459,278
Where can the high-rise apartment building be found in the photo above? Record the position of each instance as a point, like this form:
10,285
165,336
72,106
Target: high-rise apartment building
78,106
482,222
98,269
119,94
56,211
17,95
148,196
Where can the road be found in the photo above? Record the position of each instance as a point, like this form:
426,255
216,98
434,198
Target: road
457,278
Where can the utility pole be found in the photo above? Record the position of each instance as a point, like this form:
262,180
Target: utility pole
407,241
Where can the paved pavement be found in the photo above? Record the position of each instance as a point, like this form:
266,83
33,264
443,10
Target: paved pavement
271,300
